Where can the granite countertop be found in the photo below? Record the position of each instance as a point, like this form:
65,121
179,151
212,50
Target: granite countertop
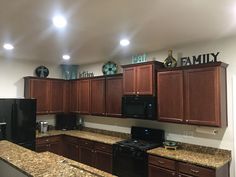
83,134
45,164
198,155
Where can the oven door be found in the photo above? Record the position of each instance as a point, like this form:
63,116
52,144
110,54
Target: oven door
129,162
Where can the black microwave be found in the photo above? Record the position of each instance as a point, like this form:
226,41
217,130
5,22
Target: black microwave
140,107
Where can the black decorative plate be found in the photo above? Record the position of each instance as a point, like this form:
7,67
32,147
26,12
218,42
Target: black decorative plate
109,68
41,71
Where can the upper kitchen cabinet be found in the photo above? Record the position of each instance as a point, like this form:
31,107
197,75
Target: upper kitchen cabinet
84,96
114,92
57,93
139,79
50,94
98,96
170,96
193,95
74,96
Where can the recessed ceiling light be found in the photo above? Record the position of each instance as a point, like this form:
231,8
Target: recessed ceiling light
59,21
8,46
124,42
66,57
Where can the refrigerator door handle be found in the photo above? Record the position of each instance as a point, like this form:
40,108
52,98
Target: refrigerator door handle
3,123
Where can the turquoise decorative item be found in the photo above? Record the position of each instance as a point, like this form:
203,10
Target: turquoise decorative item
139,58
42,71
69,71
109,68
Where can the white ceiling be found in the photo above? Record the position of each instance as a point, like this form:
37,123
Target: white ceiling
96,26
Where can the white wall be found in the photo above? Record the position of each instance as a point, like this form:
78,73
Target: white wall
224,139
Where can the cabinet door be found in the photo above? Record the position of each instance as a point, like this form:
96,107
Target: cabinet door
86,155
56,96
144,80
56,148
84,96
103,161
129,81
71,151
74,96
154,171
202,96
98,96
170,96
114,87
39,89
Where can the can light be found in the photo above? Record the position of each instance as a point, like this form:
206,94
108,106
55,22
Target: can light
124,42
59,21
66,57
8,46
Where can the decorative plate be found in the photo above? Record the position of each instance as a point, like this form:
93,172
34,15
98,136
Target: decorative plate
109,68
41,71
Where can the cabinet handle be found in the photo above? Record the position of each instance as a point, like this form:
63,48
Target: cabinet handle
194,171
46,140
186,120
137,92
160,162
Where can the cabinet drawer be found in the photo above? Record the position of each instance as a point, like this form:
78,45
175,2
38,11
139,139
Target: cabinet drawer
46,140
195,170
86,143
103,147
161,162
71,139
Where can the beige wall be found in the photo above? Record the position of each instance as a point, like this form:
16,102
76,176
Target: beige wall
224,139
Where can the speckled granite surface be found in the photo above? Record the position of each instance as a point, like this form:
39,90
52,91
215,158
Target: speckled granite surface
83,134
198,155
45,164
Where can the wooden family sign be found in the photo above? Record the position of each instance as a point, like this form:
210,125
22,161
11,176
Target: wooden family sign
199,59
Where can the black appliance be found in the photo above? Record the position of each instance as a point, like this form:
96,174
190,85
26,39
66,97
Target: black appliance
140,107
66,121
18,121
130,158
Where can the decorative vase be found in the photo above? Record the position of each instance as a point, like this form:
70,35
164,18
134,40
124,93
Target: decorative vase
170,61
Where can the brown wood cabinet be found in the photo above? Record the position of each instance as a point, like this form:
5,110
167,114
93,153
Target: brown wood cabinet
52,144
71,147
50,94
84,96
114,92
163,167
193,95
98,96
139,79
74,96
38,89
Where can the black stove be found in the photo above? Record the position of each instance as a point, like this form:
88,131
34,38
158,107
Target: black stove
130,156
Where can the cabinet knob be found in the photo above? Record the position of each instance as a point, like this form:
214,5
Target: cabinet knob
137,92
186,120
173,174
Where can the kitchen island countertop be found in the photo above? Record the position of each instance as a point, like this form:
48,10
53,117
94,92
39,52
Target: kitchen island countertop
45,164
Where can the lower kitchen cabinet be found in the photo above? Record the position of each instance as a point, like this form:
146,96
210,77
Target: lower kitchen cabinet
155,171
95,154
71,148
103,157
52,144
163,167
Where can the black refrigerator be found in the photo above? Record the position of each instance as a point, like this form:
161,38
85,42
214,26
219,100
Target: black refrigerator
18,121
